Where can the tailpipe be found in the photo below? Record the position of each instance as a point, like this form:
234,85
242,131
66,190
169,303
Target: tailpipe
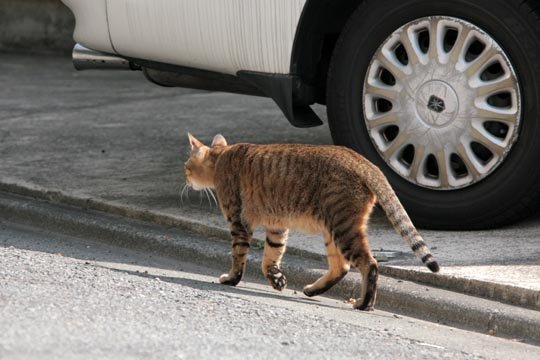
87,59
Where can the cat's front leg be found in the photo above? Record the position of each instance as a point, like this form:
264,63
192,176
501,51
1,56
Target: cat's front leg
274,248
241,235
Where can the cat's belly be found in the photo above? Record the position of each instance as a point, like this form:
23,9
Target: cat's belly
299,222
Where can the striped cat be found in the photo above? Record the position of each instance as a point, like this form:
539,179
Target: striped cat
328,189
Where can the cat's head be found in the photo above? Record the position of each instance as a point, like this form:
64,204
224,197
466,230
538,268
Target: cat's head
200,167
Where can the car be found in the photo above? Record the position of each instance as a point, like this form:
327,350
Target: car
443,95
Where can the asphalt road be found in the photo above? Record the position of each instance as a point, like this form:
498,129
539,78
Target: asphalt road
70,298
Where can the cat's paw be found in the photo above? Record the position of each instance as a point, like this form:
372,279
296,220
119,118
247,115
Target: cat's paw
309,290
227,279
276,278
366,308
358,304
313,290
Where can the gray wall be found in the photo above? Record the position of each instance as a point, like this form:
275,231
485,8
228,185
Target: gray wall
37,26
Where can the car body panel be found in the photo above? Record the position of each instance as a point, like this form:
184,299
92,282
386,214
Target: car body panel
224,36
91,28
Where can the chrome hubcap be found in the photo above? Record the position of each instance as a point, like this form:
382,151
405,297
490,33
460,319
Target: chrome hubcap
442,103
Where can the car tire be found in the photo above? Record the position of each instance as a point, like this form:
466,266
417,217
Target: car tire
508,189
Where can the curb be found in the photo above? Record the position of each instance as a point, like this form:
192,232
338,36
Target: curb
154,217
405,297
488,290
484,289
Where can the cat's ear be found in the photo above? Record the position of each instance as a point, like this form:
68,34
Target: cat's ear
219,140
195,144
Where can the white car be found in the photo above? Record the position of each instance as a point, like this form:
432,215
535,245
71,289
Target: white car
444,95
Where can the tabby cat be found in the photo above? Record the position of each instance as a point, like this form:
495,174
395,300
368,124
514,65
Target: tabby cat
328,189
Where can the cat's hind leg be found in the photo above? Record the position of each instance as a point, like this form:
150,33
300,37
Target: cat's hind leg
370,273
241,235
338,267
353,245
274,248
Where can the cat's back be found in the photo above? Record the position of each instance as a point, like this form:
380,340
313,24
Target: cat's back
328,156
295,161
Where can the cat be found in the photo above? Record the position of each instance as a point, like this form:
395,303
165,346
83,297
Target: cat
328,189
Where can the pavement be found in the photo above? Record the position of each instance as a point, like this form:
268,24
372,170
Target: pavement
36,26
114,143
66,297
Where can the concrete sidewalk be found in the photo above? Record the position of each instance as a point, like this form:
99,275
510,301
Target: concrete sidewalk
113,142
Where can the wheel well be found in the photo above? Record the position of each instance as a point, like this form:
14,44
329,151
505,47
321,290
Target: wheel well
319,28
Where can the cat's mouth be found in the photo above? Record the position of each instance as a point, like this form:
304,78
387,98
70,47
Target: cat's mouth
194,185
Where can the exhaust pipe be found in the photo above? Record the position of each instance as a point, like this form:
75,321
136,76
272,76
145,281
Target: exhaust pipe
87,59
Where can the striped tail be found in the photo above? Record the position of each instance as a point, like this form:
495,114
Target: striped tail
400,220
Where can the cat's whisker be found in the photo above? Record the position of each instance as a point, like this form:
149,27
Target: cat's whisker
182,193
207,196
190,200
213,197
